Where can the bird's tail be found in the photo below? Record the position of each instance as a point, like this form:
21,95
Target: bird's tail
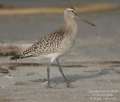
15,57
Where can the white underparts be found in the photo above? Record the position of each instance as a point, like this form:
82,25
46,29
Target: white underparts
52,56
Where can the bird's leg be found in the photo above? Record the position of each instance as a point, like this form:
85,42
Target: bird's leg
48,75
62,73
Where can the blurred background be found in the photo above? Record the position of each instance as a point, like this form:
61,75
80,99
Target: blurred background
38,3
24,21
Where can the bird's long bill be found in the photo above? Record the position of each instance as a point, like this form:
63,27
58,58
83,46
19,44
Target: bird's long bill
88,22
84,20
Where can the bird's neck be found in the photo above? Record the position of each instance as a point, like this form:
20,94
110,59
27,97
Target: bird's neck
69,22
71,25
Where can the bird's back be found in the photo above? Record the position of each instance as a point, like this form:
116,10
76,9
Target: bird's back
46,45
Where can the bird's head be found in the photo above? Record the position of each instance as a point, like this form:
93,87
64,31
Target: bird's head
71,13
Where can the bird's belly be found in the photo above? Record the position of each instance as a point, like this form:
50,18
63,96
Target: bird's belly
52,56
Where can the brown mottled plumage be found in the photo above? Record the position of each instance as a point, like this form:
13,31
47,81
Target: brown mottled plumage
46,45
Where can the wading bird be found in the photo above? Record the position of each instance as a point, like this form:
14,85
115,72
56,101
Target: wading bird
55,44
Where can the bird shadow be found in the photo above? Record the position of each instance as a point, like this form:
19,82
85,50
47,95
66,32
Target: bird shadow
75,77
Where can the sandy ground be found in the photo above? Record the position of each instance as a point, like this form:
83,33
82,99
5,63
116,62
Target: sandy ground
88,84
